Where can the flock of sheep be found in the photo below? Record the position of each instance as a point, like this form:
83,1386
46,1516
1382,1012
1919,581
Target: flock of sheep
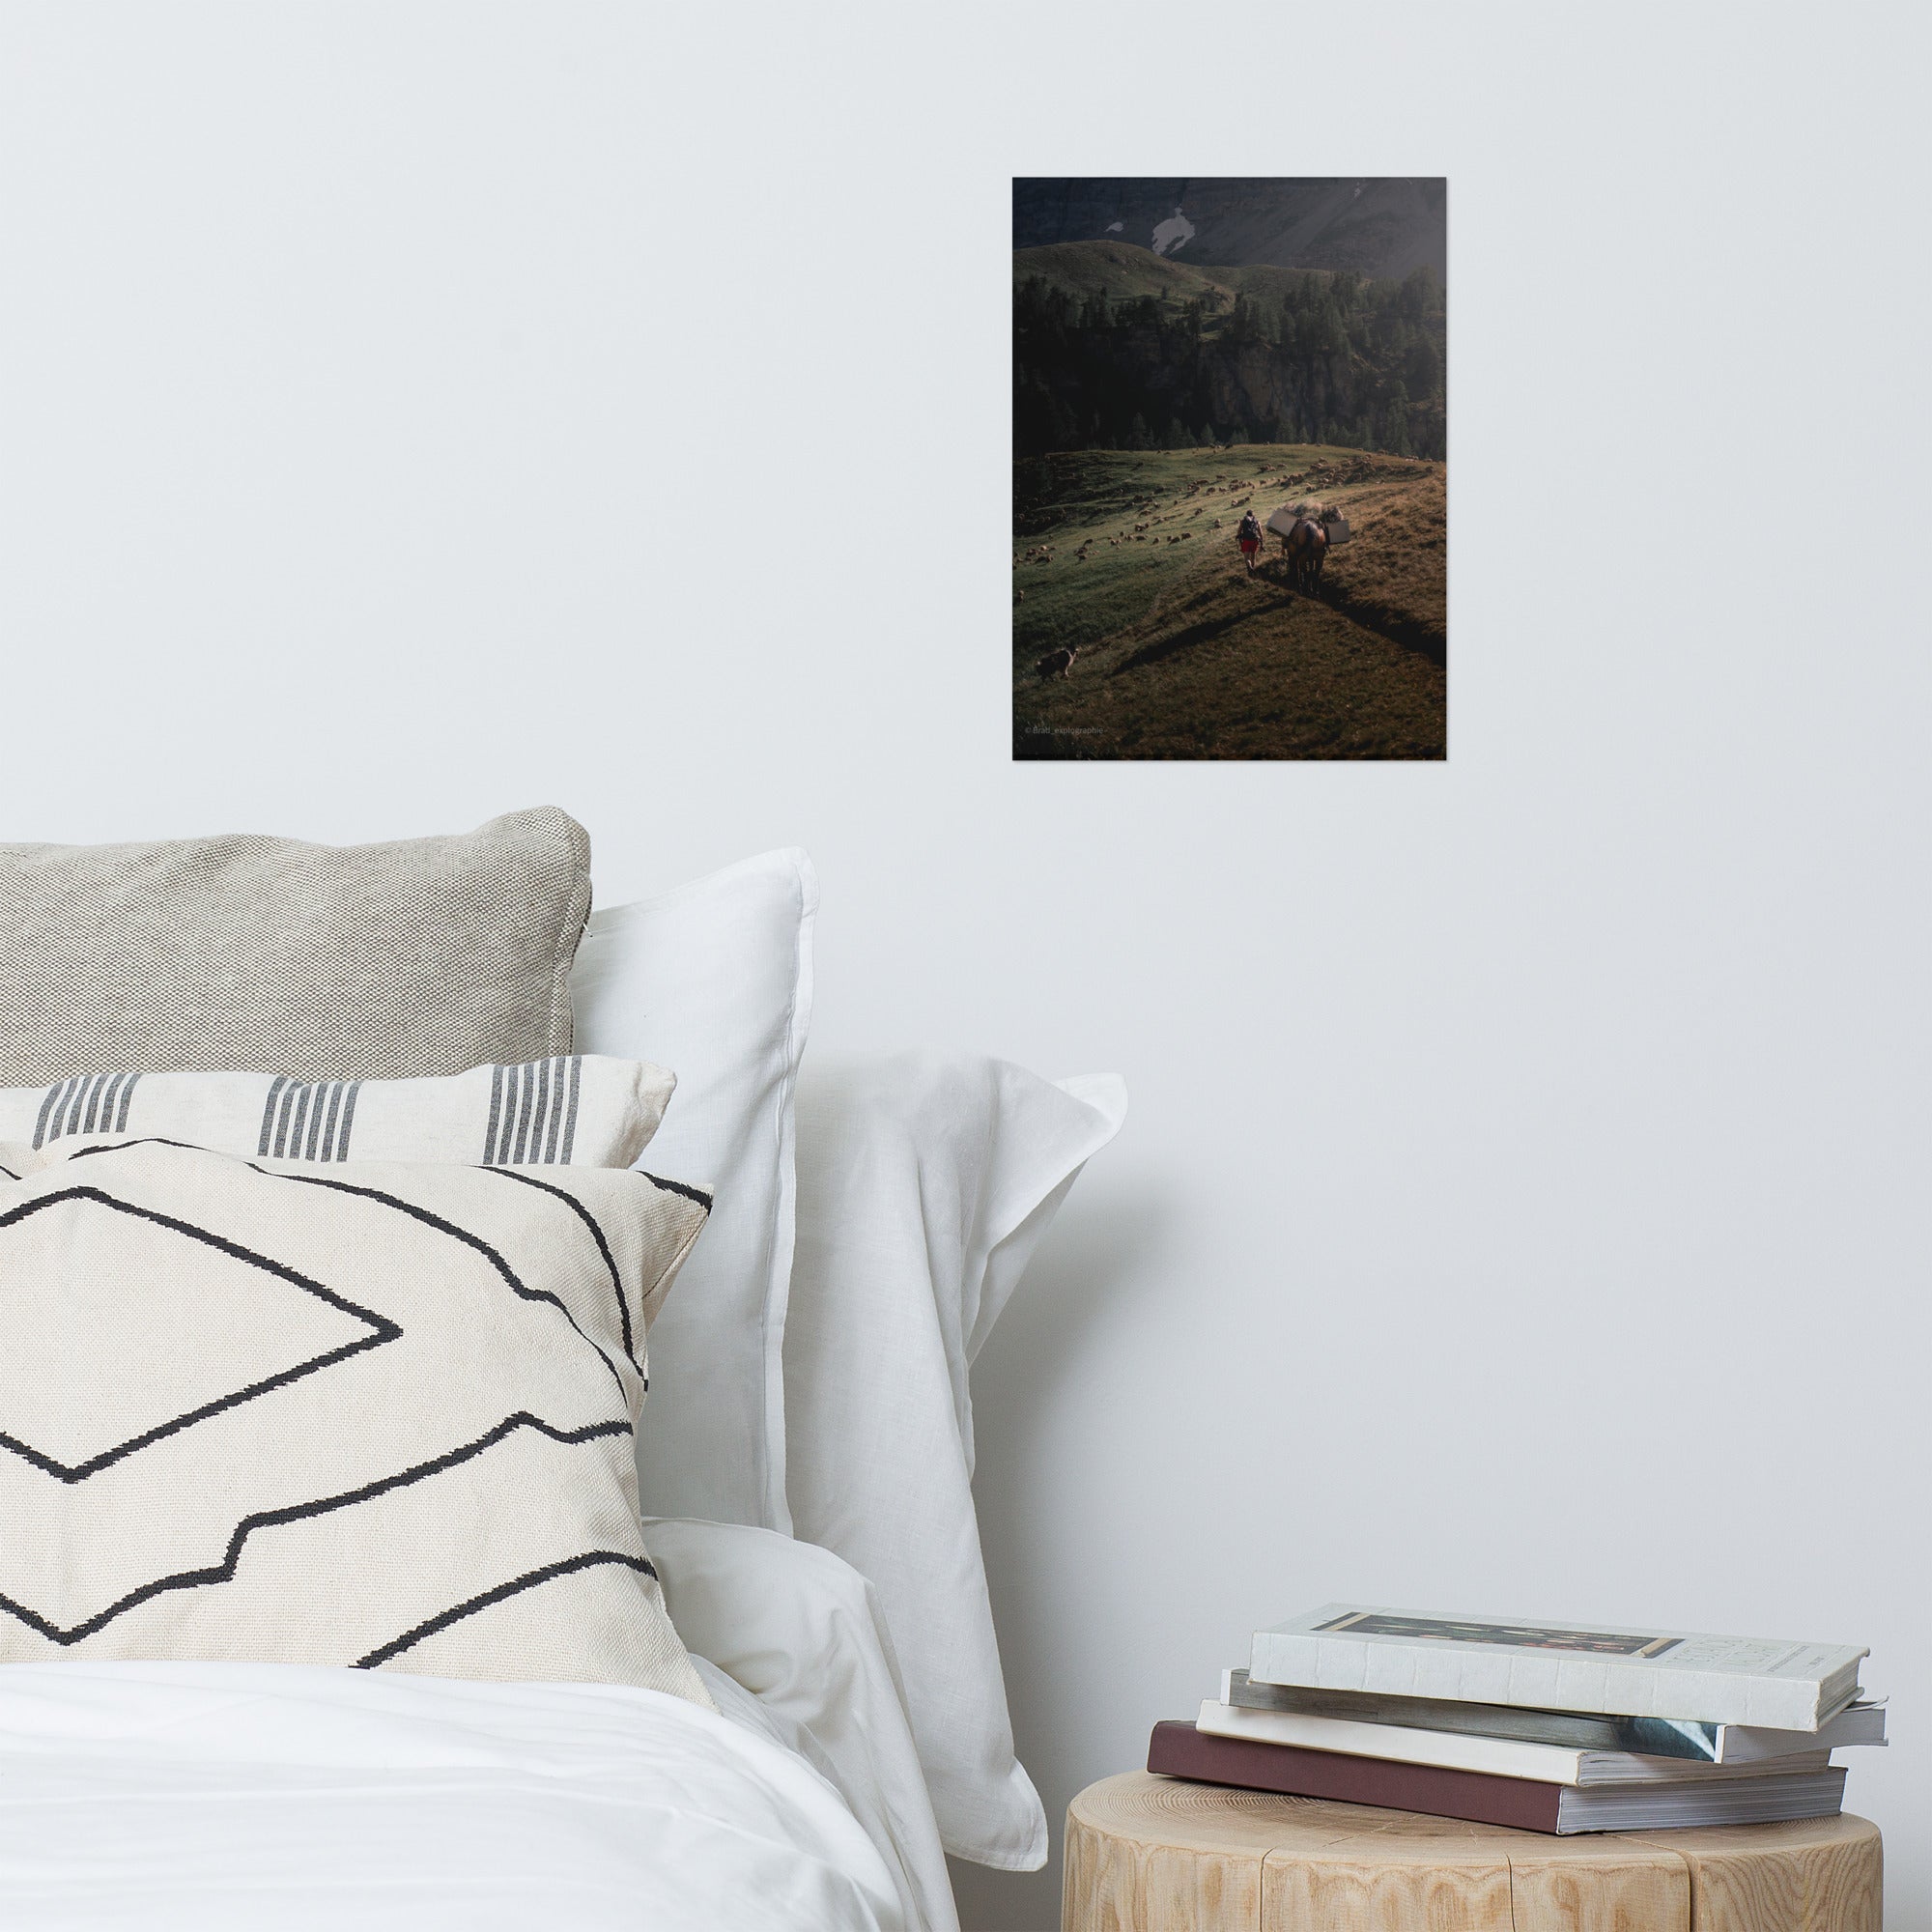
1145,531
1060,663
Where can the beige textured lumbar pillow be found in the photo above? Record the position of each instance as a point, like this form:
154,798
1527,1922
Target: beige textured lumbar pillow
371,1415
579,1110
320,962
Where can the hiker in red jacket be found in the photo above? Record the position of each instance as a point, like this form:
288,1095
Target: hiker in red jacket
1250,534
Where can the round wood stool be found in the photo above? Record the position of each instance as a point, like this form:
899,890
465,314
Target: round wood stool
1147,1854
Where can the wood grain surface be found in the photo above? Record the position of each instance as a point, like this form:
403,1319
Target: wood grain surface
1147,1854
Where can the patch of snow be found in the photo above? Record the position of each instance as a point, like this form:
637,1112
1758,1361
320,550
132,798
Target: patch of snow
1115,227
1172,234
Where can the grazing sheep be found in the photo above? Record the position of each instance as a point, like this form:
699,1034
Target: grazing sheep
1055,664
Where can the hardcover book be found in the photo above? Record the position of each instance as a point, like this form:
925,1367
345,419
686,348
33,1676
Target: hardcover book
1858,1723
1640,1673
1180,1750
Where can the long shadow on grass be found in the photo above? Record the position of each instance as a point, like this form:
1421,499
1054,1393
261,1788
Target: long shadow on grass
1372,615
1424,639
1196,634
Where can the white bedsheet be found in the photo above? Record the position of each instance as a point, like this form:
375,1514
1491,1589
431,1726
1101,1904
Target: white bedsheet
224,1796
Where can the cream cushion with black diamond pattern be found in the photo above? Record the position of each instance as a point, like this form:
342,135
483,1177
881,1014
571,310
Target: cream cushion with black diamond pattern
373,1415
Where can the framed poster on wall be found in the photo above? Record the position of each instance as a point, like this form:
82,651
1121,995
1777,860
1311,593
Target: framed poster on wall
1230,491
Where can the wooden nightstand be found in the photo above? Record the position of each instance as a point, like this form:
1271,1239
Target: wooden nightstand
1147,1854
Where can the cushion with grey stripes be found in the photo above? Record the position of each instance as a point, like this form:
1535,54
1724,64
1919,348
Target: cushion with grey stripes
581,1110
379,1414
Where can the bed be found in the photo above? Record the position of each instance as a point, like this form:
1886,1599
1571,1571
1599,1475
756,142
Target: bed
228,1794
721,1657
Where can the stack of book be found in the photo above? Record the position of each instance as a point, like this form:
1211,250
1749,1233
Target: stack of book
1546,1727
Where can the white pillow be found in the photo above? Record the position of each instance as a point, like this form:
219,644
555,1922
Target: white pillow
801,1630
714,981
925,1180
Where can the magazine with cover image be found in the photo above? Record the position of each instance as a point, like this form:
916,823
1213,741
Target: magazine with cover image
1550,1666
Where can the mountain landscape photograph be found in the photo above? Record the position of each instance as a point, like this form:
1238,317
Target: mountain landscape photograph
1230,468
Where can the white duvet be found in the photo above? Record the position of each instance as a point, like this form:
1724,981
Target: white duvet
223,1796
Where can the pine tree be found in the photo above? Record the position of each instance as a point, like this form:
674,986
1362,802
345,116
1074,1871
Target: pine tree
1420,293
1423,367
1137,432
1395,421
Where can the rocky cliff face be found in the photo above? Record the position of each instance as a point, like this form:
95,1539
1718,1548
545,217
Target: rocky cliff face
1380,225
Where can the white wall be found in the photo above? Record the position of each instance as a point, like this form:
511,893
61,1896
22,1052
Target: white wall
412,412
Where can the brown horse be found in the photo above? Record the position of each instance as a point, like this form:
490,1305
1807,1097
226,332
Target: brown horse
1306,546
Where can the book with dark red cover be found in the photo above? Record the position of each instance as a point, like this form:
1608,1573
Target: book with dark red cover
1179,1751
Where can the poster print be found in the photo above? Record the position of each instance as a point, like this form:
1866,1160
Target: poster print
1230,468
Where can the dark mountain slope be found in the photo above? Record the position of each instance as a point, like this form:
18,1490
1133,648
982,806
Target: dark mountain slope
1380,226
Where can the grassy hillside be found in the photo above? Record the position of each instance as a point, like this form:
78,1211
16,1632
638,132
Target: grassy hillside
1123,271
1119,270
1130,559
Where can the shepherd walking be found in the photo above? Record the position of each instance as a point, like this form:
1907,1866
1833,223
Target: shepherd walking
1250,534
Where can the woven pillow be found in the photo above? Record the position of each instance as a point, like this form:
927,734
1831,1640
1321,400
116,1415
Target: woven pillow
321,962
581,1110
374,1415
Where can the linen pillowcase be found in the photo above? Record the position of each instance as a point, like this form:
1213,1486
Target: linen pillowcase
576,1109
925,1182
715,980
423,956
378,1415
